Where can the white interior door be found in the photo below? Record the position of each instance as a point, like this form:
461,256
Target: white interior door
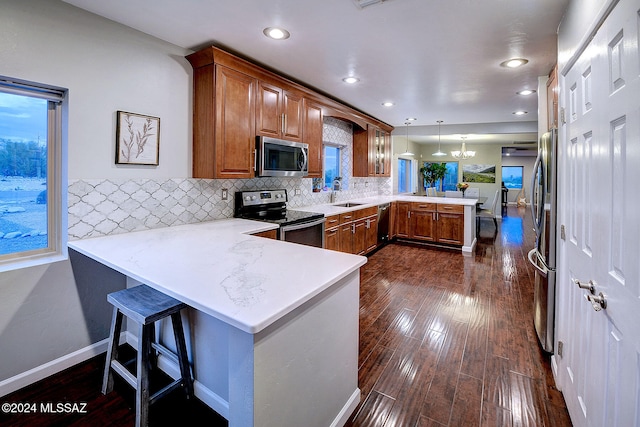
598,360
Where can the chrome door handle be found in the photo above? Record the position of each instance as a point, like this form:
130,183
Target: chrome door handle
591,286
598,302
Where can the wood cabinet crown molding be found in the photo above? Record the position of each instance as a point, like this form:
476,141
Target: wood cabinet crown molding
331,106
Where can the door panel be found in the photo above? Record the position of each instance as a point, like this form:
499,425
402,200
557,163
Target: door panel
599,368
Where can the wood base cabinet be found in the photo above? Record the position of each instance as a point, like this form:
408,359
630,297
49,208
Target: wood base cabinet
450,224
332,233
429,222
423,222
401,219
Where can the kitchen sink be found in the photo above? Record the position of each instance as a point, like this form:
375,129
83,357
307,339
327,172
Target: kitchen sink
347,205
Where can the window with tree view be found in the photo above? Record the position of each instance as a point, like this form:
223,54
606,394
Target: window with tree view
331,165
29,138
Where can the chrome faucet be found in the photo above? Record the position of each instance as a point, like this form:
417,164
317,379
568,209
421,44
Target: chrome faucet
337,186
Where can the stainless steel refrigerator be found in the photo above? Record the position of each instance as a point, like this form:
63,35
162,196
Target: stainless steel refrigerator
543,255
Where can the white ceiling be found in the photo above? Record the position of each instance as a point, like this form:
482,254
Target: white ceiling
435,59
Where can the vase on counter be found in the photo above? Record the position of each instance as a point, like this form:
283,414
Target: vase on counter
463,190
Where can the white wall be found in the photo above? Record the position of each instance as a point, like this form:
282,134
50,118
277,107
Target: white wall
50,311
106,67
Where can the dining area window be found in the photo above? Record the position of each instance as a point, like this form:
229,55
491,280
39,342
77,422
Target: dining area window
450,180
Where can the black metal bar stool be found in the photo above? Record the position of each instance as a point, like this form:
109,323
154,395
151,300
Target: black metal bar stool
146,306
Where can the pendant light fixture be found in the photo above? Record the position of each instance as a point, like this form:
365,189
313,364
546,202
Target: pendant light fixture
439,153
407,152
463,153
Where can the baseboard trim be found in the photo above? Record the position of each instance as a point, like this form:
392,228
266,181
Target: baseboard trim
41,372
348,408
208,397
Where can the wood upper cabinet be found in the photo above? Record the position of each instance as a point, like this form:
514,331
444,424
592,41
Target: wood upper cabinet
224,123
236,100
371,151
312,135
279,113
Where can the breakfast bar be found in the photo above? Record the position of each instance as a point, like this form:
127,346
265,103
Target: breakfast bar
272,328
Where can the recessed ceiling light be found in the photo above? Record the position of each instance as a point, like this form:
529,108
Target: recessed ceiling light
411,119
276,33
526,92
514,63
351,80
519,113
388,104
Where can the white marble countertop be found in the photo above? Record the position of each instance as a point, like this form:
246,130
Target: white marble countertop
333,209
218,268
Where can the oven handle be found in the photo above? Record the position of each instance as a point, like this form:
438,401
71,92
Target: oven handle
285,228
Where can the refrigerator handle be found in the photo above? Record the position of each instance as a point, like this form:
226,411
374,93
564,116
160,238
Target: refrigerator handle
543,270
535,214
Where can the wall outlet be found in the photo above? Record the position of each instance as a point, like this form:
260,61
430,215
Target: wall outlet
297,192
225,194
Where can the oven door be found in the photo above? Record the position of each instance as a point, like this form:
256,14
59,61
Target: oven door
306,233
282,158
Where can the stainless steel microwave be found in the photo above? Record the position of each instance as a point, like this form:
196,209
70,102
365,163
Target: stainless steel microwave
277,157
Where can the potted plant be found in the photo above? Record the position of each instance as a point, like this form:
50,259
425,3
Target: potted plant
432,172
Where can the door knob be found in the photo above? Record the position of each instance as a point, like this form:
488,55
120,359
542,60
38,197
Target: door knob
591,286
598,302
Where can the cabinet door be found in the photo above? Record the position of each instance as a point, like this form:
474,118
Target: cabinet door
372,233
312,131
269,120
235,125
360,236
292,116
451,228
332,239
402,219
392,220
423,225
346,238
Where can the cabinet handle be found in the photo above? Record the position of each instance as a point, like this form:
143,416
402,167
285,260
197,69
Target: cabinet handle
283,122
353,228
255,160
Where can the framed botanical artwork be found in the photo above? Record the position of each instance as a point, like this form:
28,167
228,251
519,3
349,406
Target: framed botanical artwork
137,139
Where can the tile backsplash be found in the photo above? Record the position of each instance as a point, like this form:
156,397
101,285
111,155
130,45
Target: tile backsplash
99,207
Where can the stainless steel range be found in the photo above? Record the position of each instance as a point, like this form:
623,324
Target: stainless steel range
306,228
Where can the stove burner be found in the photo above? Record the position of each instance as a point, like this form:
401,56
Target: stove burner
270,206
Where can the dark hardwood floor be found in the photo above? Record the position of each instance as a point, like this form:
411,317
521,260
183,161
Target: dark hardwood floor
448,340
445,340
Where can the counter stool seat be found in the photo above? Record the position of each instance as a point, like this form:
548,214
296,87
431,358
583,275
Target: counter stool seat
146,306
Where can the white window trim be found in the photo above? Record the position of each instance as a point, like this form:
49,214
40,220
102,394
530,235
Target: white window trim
57,213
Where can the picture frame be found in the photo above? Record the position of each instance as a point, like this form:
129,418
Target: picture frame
479,173
137,139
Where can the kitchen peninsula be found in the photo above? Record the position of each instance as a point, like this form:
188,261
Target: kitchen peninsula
273,326
417,217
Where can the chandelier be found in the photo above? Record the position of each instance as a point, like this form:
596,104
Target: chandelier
439,152
463,153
